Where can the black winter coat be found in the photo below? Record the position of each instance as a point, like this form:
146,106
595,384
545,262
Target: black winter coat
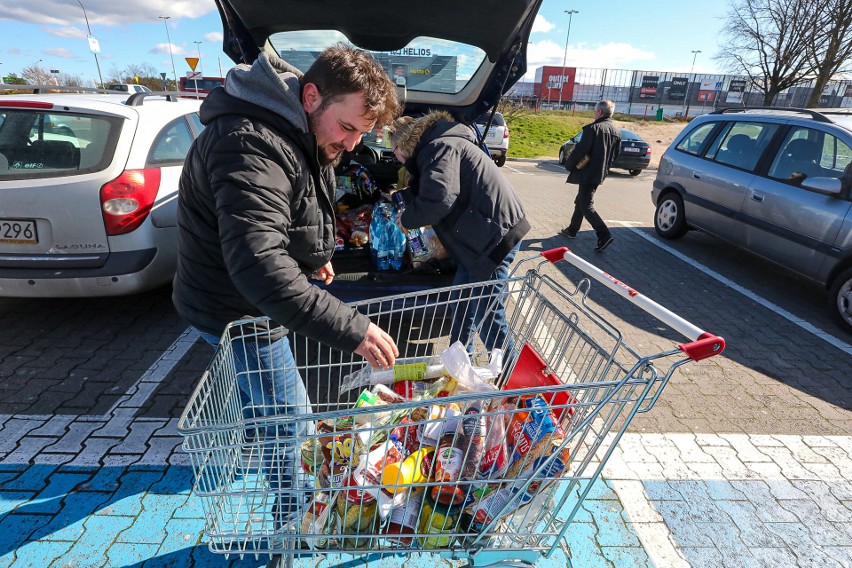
601,141
456,188
255,218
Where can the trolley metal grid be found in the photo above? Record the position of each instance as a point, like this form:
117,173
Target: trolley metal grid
592,385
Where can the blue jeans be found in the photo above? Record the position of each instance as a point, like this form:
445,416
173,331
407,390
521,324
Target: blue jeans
270,385
485,311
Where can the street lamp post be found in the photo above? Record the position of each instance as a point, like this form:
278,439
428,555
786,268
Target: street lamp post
97,64
198,48
169,39
695,53
565,54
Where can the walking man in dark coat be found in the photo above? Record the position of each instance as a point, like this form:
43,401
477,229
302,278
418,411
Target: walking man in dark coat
600,142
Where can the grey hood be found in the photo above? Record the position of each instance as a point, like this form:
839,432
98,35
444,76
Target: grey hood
270,83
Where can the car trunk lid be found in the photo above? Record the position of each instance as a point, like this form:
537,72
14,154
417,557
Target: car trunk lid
433,49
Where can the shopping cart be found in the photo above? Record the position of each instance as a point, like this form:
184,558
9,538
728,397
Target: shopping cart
486,474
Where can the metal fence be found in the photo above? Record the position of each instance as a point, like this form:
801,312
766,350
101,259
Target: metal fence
666,93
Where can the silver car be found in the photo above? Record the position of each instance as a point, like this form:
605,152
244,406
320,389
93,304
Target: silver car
88,191
774,182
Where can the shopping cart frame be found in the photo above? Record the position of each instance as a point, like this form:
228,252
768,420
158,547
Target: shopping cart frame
623,382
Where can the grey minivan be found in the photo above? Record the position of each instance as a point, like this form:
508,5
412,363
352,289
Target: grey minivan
775,182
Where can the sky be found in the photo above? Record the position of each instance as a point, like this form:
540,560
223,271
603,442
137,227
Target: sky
657,35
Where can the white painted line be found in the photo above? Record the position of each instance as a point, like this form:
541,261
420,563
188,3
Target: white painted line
516,171
794,319
139,393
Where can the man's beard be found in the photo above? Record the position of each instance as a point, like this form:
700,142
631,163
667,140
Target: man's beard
322,155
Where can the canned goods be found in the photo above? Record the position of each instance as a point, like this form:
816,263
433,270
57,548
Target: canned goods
357,510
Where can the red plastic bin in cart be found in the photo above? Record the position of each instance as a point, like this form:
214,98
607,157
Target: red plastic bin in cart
491,469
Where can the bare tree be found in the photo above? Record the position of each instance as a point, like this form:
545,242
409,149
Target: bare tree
767,42
831,52
35,75
70,80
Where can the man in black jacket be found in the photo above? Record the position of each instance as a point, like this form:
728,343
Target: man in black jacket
256,220
601,143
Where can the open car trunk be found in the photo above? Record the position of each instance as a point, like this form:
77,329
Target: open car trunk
460,57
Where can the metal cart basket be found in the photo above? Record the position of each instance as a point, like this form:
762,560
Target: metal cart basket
488,471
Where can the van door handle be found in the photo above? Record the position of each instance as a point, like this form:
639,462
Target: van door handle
696,175
759,197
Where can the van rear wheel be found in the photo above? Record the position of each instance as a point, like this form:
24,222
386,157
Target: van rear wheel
840,299
669,218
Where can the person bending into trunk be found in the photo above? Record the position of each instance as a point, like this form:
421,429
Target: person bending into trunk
456,187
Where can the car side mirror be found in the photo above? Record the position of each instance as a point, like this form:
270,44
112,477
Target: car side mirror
830,186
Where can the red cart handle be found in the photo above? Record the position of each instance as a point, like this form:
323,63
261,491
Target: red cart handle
703,344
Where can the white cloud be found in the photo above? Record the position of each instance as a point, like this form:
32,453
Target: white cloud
66,31
541,25
215,37
163,48
101,12
610,55
60,52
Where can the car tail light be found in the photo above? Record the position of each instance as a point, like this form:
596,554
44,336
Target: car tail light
127,200
648,151
505,132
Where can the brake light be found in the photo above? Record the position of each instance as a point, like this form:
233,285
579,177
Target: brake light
26,104
648,151
127,200
505,132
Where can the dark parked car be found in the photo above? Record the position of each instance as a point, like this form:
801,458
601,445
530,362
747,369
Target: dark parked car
775,182
635,154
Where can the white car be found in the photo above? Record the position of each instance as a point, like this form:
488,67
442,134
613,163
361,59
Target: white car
128,88
496,138
88,187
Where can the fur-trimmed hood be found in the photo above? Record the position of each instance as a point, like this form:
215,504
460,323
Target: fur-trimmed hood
412,133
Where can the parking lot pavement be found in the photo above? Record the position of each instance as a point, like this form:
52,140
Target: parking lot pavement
88,492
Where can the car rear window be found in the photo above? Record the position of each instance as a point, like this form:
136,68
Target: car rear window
38,144
426,64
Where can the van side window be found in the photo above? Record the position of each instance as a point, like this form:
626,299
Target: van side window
693,142
808,152
744,143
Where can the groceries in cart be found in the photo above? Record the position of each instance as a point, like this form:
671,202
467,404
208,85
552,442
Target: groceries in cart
407,468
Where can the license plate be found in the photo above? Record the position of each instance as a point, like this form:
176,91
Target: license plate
18,231
631,150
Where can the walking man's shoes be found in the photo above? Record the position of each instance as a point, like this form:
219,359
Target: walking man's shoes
566,232
603,243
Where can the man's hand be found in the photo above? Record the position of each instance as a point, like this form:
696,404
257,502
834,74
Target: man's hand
326,274
378,348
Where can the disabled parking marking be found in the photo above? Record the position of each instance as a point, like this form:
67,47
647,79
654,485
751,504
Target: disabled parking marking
792,318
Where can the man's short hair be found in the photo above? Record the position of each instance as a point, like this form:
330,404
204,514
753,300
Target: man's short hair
342,70
606,108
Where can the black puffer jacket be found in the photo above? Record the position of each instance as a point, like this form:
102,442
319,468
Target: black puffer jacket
255,214
601,141
456,188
